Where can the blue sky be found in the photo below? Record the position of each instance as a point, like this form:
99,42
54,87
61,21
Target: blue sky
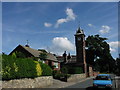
52,25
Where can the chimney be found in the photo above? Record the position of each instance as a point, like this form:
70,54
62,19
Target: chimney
65,56
69,56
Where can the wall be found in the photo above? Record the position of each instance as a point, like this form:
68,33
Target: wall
90,71
76,77
29,83
96,73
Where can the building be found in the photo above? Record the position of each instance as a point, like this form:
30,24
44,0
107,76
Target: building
28,52
80,49
78,60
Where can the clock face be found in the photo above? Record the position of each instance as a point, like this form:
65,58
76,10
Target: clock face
79,38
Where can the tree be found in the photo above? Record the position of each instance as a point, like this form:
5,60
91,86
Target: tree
43,55
117,71
18,55
98,54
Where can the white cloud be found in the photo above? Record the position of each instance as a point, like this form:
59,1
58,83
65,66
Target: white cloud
61,44
112,50
47,24
60,21
70,17
70,14
90,25
105,29
114,46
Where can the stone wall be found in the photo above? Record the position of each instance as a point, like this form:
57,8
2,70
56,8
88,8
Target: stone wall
76,77
96,73
29,83
90,71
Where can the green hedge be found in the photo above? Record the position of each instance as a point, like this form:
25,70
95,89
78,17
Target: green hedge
74,70
63,76
64,70
46,70
15,68
78,70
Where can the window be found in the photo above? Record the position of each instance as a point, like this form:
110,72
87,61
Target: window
56,64
43,61
102,78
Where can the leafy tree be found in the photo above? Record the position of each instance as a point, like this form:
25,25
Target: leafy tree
42,50
98,54
43,55
18,55
117,70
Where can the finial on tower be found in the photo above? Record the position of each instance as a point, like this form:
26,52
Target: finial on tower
78,24
79,30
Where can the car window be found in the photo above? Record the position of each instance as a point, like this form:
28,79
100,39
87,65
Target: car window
102,78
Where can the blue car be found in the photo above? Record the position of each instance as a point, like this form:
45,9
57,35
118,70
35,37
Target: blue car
103,80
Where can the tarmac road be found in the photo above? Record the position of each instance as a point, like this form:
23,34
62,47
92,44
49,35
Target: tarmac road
88,84
117,78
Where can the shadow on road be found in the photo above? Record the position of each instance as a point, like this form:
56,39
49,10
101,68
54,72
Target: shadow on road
94,88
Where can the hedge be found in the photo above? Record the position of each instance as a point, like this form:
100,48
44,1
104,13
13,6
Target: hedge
73,70
38,68
46,70
16,68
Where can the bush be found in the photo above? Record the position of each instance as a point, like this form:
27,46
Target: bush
61,76
18,54
46,70
38,68
27,68
16,68
78,70
56,74
74,70
7,67
64,70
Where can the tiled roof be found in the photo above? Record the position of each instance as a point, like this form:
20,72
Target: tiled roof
36,53
60,58
71,60
50,56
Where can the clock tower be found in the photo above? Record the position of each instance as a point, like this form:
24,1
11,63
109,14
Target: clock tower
80,49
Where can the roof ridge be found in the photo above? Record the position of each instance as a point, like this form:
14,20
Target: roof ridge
36,53
29,50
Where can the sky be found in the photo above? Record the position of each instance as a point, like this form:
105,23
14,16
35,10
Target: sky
52,25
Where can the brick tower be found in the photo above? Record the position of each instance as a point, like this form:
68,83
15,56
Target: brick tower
80,49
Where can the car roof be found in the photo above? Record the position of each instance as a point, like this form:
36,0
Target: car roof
103,75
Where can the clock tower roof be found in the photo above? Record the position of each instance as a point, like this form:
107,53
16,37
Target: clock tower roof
79,31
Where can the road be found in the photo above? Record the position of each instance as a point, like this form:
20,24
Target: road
118,81
88,84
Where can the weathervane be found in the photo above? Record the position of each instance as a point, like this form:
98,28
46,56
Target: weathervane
27,42
78,24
